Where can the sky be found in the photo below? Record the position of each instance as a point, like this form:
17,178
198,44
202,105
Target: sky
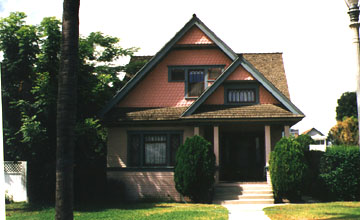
314,37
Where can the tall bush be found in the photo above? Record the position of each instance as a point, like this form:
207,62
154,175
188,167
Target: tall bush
288,169
195,169
340,172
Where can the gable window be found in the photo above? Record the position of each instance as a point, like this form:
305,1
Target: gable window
241,96
241,93
195,82
152,148
196,78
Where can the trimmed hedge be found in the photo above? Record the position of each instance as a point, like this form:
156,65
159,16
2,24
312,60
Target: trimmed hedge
195,169
288,169
340,172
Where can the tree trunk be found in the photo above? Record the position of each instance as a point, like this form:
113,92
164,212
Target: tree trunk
66,110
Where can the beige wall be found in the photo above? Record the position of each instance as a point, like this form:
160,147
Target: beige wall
117,142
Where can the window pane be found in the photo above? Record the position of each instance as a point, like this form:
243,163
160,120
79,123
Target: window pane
134,151
155,150
177,75
241,96
214,72
174,145
195,82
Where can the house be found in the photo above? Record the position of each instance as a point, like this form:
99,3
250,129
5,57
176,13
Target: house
197,85
318,137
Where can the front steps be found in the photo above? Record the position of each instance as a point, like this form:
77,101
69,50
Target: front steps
243,193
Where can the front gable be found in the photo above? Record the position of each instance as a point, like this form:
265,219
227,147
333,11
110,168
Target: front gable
181,75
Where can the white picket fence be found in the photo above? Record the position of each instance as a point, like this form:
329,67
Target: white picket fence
15,180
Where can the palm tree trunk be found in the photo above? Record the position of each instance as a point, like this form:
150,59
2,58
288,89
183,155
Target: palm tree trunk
66,110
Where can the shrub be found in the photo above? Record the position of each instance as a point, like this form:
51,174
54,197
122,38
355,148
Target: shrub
305,140
195,169
288,169
340,172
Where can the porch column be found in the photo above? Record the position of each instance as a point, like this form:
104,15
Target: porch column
286,130
196,131
216,152
267,151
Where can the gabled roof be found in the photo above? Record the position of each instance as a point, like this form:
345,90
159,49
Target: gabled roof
241,61
313,129
267,69
194,21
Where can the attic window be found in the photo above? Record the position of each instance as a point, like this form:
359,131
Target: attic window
241,95
177,75
196,78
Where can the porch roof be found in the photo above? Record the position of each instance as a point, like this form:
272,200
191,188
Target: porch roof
210,112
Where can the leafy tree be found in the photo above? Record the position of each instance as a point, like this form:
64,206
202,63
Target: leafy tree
345,132
30,111
346,106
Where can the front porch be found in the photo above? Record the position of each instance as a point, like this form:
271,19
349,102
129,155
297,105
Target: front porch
242,151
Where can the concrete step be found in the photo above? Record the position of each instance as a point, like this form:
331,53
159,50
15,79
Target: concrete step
246,196
244,201
243,193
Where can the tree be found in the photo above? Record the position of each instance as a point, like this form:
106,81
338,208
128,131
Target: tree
30,122
66,110
195,169
346,106
345,132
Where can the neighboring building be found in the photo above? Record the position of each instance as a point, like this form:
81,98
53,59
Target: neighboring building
294,132
197,85
318,137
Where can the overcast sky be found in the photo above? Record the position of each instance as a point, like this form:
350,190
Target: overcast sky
313,35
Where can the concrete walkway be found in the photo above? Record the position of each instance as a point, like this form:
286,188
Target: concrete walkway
252,212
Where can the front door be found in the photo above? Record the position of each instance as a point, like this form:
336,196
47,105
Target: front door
242,157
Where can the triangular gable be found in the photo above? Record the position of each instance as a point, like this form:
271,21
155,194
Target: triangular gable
256,74
194,22
194,37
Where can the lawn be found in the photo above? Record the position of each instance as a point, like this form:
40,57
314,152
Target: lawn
332,210
150,211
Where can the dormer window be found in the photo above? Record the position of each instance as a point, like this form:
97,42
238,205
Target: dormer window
241,93
196,78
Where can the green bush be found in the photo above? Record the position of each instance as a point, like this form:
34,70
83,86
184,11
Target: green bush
195,169
340,172
288,169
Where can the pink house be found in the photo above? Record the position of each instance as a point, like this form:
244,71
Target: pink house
197,85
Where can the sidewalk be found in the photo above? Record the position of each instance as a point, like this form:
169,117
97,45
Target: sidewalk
252,212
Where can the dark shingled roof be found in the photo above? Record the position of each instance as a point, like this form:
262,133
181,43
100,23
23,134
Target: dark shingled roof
265,111
272,67
242,112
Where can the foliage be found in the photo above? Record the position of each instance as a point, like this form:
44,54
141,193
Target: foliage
133,211
333,210
345,132
305,140
339,170
288,169
195,169
29,89
346,106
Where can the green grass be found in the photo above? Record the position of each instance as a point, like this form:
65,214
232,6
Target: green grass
150,211
332,210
